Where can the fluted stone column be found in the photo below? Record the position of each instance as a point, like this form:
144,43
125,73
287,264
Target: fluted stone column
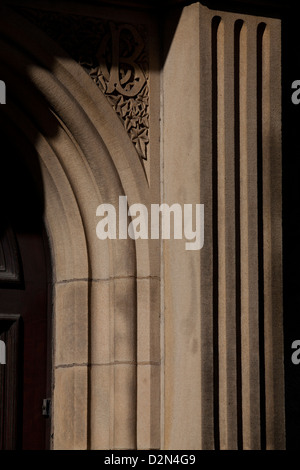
223,353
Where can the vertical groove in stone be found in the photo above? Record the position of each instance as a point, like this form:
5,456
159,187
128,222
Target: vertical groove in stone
259,36
226,238
272,237
208,313
112,375
238,30
214,48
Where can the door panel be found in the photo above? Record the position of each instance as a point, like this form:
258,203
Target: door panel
10,385
24,319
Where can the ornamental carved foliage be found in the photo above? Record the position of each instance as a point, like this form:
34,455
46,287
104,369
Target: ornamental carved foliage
121,75
116,58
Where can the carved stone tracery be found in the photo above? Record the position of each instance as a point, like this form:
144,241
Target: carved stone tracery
115,57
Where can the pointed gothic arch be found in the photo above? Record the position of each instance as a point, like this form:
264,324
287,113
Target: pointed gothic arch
103,374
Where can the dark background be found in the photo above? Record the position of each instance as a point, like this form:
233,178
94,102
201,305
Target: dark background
291,217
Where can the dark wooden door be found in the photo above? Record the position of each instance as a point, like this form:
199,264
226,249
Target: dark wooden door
24,319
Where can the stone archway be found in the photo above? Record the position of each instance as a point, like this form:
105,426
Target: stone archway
106,367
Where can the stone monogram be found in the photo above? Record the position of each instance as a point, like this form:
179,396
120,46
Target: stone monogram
125,75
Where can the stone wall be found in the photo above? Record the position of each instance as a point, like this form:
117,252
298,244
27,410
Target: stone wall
155,346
